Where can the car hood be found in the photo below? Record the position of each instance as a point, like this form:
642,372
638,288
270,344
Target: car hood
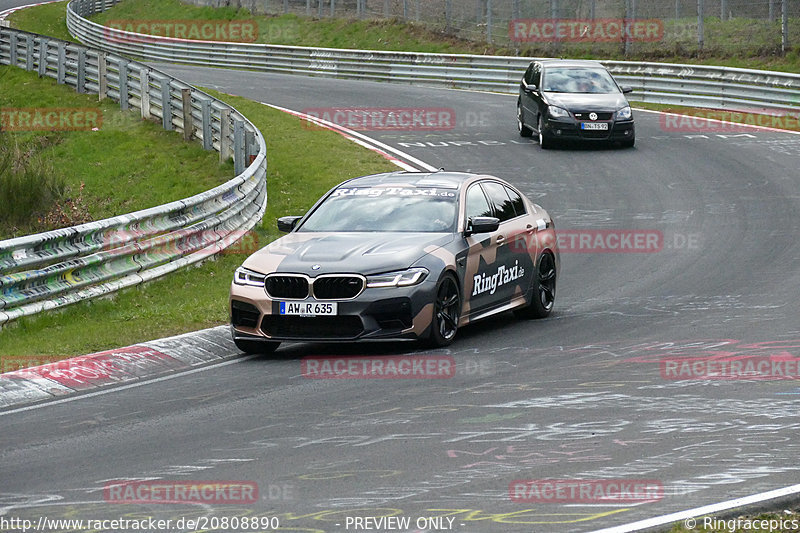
364,253
587,102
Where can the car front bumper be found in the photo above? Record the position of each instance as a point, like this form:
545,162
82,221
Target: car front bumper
377,313
570,129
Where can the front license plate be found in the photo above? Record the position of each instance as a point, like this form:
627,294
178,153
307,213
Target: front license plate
594,125
308,308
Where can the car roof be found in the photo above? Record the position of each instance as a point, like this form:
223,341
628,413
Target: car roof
571,63
442,179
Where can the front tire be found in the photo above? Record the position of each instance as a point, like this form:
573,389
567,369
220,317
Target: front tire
544,141
524,131
446,312
256,347
544,290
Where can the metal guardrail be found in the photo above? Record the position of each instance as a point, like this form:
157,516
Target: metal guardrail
60,267
660,83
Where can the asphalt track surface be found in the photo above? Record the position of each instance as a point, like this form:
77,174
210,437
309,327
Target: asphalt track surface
581,395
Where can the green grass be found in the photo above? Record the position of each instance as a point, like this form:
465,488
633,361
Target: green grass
739,42
196,298
47,19
127,165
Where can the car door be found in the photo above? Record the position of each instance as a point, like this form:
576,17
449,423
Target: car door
529,93
513,266
481,254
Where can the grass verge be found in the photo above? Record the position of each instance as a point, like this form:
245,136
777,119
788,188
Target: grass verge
196,298
126,165
47,19
740,42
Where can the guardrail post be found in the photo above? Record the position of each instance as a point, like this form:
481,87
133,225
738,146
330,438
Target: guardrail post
29,55
188,120
43,44
386,8
238,147
62,63
319,9
784,26
166,105
123,85
489,21
701,11
333,7
144,86
249,142
225,134
12,50
308,8
102,76
628,16
205,109
81,85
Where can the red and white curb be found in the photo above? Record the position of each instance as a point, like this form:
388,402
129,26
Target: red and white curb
116,367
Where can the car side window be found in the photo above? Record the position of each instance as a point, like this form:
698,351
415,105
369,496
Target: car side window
503,207
477,205
529,74
516,201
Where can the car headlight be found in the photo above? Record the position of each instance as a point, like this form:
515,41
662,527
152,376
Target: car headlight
625,113
400,278
557,112
245,276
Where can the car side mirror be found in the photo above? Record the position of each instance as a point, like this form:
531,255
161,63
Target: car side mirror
481,225
626,89
529,88
287,224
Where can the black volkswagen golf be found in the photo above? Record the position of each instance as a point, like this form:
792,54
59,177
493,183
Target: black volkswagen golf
573,100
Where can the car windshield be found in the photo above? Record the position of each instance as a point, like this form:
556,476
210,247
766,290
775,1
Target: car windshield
403,209
578,80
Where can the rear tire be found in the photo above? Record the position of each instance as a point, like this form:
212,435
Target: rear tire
256,347
446,312
544,290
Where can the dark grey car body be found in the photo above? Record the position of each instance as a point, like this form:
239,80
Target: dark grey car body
598,114
475,264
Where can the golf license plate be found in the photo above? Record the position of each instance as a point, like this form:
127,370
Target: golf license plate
308,308
594,125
